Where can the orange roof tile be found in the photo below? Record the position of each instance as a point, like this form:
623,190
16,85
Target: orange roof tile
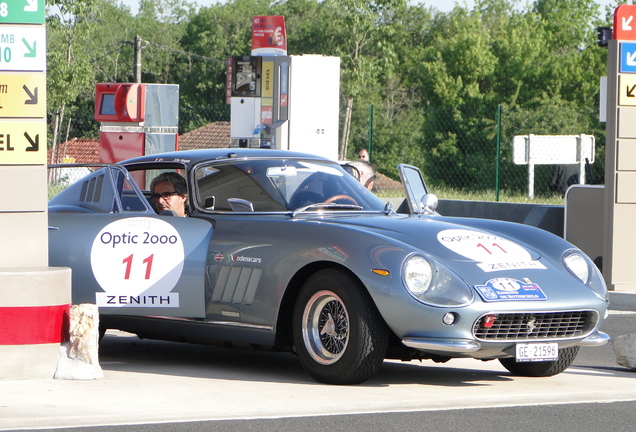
79,150
76,150
212,135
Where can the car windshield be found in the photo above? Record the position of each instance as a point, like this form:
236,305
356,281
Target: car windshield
279,185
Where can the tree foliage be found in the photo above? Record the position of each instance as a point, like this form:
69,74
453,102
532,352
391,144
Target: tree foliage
434,79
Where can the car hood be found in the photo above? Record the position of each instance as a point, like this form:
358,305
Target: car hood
457,239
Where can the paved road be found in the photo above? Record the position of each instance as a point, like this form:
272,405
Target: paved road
160,383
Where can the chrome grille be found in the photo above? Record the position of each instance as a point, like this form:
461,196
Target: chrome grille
534,325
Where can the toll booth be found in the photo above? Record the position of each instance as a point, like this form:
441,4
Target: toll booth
136,119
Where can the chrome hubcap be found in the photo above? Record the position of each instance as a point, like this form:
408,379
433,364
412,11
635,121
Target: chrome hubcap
325,327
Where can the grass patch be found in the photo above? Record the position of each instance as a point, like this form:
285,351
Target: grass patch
487,195
504,196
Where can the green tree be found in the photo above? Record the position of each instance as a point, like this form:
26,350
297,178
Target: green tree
69,27
355,33
211,36
109,51
500,54
434,79
398,113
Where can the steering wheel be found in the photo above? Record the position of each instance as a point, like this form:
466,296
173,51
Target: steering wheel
341,197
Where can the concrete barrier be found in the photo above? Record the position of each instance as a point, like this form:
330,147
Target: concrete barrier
34,320
546,217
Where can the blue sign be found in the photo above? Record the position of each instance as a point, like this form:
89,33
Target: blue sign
628,57
509,289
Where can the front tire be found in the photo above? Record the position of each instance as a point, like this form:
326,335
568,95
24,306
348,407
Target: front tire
542,369
339,335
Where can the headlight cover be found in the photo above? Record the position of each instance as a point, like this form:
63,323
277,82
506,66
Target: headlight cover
582,268
433,283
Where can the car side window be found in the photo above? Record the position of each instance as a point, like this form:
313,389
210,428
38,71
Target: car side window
102,190
223,186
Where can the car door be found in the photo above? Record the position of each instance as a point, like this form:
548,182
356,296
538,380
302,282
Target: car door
124,257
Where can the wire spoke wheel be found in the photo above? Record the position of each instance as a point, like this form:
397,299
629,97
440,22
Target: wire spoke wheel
325,327
339,335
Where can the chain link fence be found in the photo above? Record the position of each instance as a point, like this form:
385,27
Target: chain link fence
464,153
467,153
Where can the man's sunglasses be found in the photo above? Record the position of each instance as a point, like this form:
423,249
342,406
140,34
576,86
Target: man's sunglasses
164,195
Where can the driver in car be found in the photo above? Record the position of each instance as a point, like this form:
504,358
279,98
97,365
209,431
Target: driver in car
170,194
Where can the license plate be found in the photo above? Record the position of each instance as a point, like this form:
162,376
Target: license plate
536,352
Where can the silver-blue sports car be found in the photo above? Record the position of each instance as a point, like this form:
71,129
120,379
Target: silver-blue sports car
287,251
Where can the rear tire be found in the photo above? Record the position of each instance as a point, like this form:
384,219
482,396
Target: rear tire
339,335
542,369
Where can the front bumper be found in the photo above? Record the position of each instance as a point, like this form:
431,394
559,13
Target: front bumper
467,346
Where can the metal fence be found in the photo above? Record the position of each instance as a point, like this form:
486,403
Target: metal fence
467,152
464,153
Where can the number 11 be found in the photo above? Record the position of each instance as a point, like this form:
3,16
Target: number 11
128,261
494,245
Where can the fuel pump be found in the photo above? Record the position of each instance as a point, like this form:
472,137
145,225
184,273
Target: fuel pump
136,119
280,101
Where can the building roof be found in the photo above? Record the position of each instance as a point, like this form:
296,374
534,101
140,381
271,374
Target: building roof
76,150
212,135
79,150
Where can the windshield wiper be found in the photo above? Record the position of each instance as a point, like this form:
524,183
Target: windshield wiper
327,206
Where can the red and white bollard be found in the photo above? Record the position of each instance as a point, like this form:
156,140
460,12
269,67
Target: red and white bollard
34,320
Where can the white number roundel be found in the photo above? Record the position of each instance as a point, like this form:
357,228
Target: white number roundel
137,256
482,247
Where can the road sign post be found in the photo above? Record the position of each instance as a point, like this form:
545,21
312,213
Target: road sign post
619,232
35,298
534,150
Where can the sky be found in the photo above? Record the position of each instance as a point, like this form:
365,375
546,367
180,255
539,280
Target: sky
441,5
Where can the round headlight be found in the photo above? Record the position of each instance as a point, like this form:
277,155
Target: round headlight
431,282
577,265
418,274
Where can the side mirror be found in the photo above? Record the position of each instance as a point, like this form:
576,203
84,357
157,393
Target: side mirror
429,203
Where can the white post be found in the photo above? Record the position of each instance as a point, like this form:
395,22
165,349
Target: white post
530,167
530,180
581,159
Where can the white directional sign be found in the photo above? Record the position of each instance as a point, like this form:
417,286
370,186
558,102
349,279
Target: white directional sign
22,48
553,149
534,150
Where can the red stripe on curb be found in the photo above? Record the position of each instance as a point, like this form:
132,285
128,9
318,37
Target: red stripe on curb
30,325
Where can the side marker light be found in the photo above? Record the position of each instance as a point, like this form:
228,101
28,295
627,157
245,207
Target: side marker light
449,318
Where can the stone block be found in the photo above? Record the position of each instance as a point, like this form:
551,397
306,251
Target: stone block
79,357
625,349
